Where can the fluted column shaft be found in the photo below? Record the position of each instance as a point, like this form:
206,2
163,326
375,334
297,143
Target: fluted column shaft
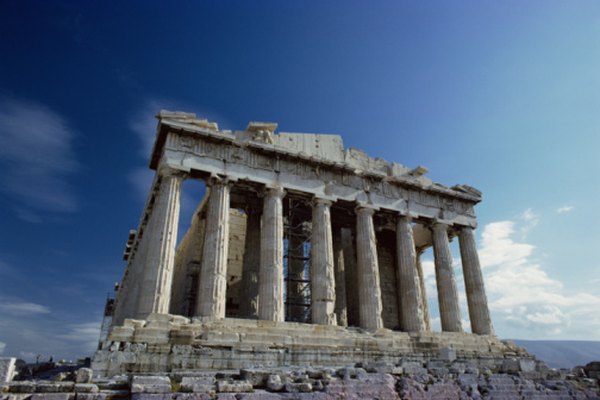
322,274
409,290
479,313
251,265
270,303
341,309
213,268
157,275
446,284
369,290
424,302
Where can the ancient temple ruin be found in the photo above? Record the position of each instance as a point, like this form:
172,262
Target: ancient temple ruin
302,252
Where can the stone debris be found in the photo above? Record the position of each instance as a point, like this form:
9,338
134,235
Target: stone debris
83,375
435,378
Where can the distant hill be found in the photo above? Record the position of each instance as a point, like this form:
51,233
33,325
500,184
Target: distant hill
562,353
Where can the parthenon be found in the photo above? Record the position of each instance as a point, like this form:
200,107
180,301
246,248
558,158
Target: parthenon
300,246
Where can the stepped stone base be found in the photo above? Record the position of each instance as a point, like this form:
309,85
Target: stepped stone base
167,343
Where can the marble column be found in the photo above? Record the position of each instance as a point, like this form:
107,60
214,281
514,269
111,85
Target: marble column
341,309
157,275
409,290
424,302
369,290
251,264
270,288
212,285
446,284
322,274
479,313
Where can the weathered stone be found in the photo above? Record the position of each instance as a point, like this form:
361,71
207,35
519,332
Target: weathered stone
21,387
53,396
85,388
197,384
54,387
227,386
7,369
150,384
274,383
84,375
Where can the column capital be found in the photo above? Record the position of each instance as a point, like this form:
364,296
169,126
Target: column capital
166,170
219,180
367,209
438,225
275,190
321,201
404,218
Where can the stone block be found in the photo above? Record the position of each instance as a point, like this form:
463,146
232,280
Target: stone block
526,365
53,396
21,387
303,387
511,366
257,377
150,384
274,383
197,384
447,354
54,387
86,388
84,375
228,386
7,369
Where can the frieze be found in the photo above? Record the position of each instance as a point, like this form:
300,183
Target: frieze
236,153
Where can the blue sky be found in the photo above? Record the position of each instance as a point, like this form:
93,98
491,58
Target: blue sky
503,96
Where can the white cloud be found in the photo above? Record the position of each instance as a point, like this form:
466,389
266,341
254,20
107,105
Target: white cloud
2,347
564,209
36,155
24,308
525,301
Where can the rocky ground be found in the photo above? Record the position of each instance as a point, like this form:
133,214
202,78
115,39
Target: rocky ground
408,379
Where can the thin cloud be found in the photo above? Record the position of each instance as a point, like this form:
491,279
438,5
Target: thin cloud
529,221
86,334
2,347
564,209
37,158
24,308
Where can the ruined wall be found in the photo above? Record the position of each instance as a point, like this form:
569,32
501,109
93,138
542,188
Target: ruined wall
235,258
